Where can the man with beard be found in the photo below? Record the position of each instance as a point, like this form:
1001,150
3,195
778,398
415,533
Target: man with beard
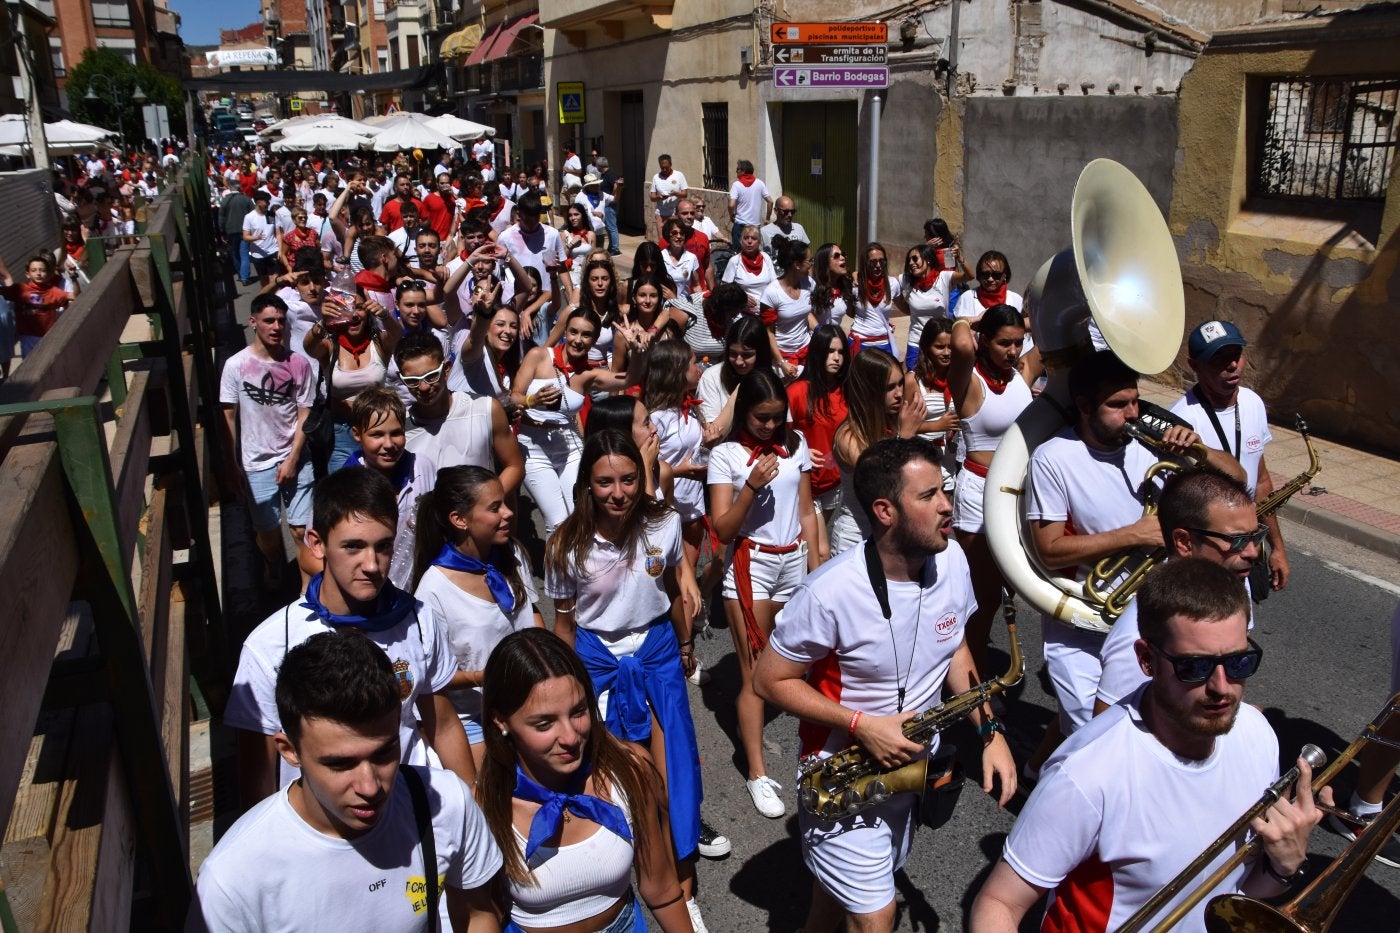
852,657
1202,515
1086,493
1131,799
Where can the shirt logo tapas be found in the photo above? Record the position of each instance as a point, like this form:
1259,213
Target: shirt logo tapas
655,564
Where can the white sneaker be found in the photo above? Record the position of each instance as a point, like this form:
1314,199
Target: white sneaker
764,791
697,923
699,676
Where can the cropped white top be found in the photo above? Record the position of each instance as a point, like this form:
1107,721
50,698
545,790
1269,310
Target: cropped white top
574,882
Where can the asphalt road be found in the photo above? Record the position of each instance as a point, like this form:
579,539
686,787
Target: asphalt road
1325,674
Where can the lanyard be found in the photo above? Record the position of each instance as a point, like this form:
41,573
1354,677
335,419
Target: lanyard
1215,421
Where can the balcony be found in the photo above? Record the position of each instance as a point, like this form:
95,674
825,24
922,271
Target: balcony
504,75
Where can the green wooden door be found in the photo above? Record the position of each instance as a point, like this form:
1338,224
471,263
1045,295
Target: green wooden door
818,148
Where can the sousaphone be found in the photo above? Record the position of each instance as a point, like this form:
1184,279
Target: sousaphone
1118,285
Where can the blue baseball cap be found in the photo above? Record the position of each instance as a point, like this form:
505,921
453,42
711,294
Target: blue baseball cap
1211,337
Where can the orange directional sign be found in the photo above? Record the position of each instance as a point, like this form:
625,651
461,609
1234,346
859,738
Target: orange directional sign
830,33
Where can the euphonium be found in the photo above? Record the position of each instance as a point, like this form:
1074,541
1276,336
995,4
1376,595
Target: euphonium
1120,277
850,780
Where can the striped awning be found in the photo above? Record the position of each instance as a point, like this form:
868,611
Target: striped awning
460,43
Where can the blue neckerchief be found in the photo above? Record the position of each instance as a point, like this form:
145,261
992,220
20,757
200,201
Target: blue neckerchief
393,605
403,470
496,582
547,821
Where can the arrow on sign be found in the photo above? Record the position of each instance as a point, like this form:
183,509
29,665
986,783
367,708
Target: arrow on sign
783,77
781,55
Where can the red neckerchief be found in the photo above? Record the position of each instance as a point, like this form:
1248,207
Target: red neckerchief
717,330
925,283
995,383
758,448
355,348
752,266
561,362
990,299
746,179
475,202
373,281
873,295
689,404
499,209
941,385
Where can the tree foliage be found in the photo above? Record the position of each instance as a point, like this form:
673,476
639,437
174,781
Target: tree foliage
117,79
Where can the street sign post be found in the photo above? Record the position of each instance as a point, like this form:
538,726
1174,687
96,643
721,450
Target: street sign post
832,78
830,54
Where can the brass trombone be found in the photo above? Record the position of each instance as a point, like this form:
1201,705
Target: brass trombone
1313,910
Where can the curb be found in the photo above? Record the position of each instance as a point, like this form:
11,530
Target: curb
1339,526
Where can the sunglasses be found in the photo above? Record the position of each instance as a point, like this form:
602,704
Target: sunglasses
1196,669
411,285
1237,543
991,276
431,377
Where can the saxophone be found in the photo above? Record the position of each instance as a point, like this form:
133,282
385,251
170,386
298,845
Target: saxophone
851,780
1275,500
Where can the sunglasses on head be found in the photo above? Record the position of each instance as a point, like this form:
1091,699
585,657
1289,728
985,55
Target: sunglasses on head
431,377
1196,669
1237,543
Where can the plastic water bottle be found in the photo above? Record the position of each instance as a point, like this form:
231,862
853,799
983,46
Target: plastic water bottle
340,293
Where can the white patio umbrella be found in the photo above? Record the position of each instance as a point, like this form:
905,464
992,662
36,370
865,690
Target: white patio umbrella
410,134
333,121
321,137
13,132
459,129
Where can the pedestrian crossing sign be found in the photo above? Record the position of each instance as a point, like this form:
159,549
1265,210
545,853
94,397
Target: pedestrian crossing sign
570,95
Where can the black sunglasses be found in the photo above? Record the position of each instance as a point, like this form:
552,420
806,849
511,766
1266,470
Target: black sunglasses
1196,669
1237,542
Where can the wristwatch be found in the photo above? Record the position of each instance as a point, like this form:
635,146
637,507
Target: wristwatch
989,727
1287,881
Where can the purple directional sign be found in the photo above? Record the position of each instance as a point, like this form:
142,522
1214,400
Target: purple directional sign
832,77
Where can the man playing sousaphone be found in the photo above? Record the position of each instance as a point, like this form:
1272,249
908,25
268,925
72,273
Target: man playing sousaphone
1129,800
1087,486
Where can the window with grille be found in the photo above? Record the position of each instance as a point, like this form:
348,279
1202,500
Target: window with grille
715,118
1328,139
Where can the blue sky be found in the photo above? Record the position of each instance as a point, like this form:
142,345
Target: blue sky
201,20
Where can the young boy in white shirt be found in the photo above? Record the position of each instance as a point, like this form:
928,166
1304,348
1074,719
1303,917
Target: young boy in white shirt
341,846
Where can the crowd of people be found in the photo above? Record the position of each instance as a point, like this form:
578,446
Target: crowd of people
95,195
735,421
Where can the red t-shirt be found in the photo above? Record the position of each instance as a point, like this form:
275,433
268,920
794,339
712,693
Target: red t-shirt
391,216
437,214
36,309
248,183
820,431
699,246
296,238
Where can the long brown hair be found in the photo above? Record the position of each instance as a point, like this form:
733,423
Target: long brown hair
458,489
866,416
665,386
522,660
567,552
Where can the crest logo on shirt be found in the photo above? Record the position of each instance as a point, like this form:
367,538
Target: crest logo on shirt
404,676
270,392
946,625
655,564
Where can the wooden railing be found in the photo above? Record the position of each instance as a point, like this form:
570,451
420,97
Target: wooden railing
111,600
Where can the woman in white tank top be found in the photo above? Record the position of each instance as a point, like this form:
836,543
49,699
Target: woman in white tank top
990,383
352,354
574,810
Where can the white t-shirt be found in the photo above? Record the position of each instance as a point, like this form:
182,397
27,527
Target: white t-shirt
620,592
680,436
834,620
969,306
836,314
752,284
264,228
748,207
707,226
925,304
417,646
541,249
1113,800
873,320
273,871
474,626
301,317
268,394
773,517
711,392
1092,491
1246,419
594,213
408,247
671,188
680,271
482,147
769,231
791,328
461,437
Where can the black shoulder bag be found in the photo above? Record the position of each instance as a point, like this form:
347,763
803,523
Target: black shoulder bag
423,817
319,426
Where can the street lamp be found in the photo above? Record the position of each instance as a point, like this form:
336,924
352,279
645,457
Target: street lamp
137,97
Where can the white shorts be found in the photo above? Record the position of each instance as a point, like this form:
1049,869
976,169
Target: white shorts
855,858
828,502
844,531
1072,659
967,501
774,576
